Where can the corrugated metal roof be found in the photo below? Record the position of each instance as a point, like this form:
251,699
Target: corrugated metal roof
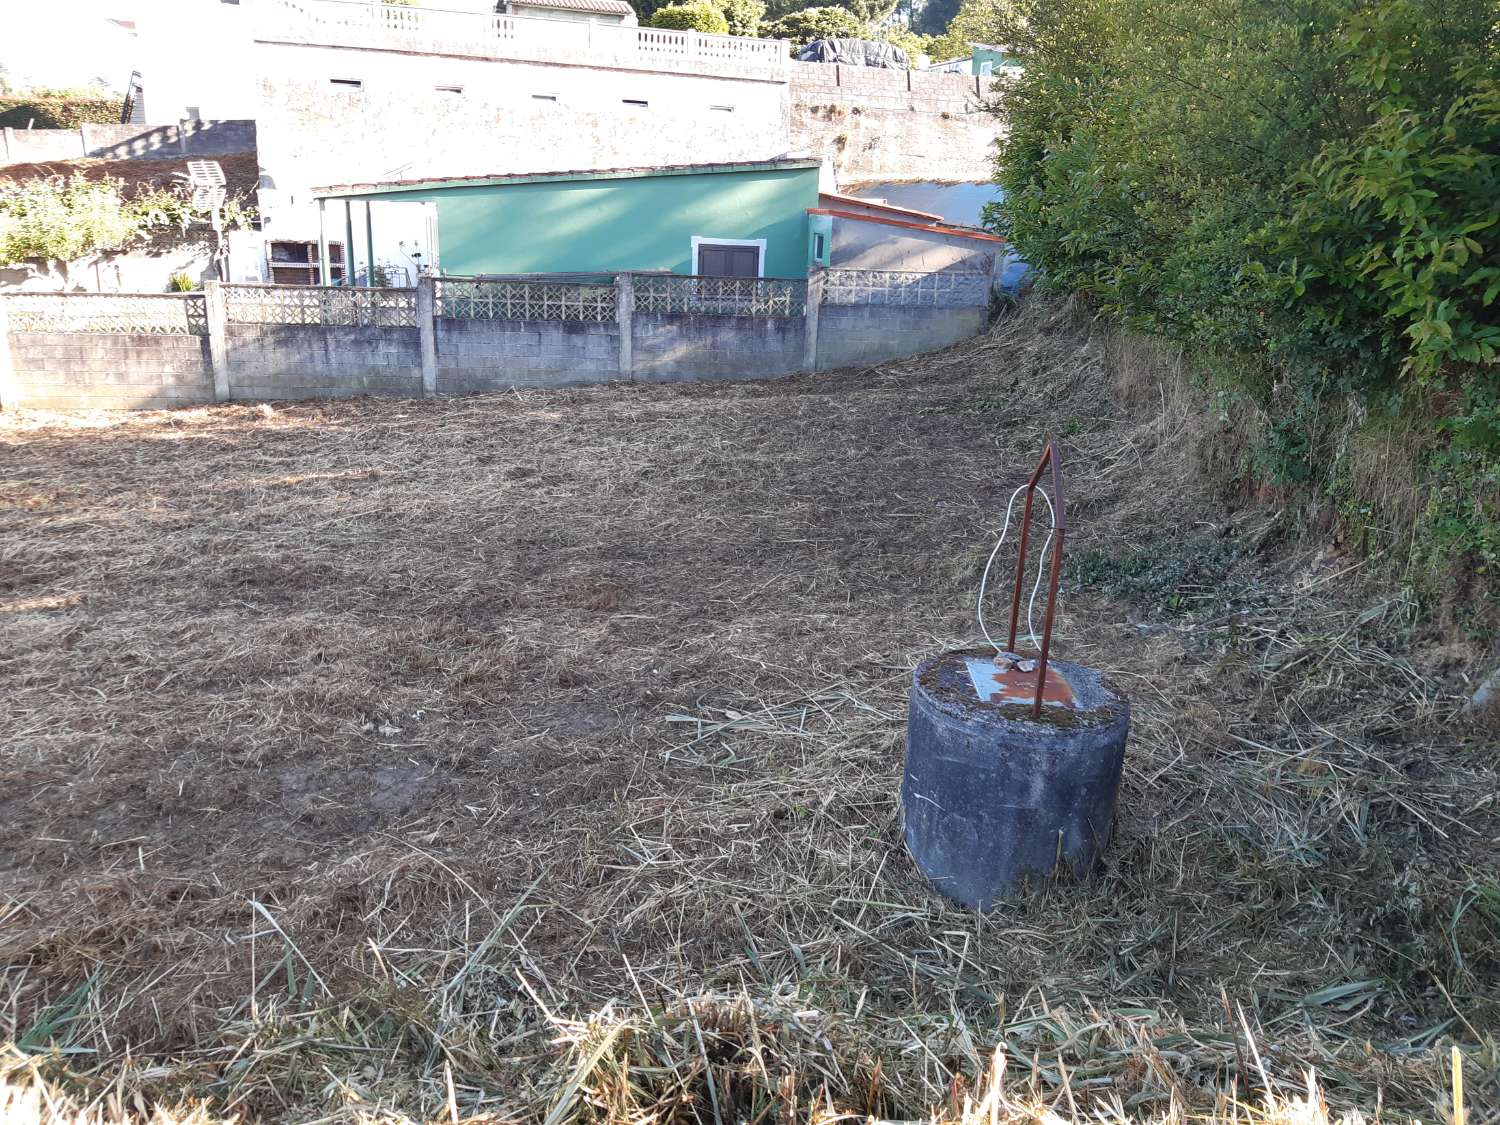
610,7
340,191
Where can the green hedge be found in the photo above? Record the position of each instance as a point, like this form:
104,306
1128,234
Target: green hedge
699,15
801,28
1303,195
57,112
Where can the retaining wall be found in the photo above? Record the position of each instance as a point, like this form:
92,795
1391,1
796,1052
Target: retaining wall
456,335
851,335
109,371
678,347
120,142
490,355
322,361
878,124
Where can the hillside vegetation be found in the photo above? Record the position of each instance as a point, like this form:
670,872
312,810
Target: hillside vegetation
1303,196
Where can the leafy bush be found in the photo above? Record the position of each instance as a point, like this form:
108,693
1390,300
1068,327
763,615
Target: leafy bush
1301,194
815,23
743,16
908,40
65,219
973,21
57,111
697,15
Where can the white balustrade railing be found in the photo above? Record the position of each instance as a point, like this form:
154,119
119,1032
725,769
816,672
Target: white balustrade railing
487,32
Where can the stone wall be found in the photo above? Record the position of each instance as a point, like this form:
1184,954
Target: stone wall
892,124
133,142
108,371
675,347
322,361
490,355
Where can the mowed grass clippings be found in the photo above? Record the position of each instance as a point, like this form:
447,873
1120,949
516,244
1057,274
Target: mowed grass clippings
536,756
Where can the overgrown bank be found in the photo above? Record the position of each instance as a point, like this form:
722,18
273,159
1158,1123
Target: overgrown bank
535,757
1302,196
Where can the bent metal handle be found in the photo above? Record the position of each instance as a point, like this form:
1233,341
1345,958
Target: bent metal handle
1050,456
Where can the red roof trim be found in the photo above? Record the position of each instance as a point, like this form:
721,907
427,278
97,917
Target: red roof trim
957,232
891,207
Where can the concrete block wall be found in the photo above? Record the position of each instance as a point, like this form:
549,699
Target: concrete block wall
850,335
108,371
272,361
241,361
120,142
490,355
673,347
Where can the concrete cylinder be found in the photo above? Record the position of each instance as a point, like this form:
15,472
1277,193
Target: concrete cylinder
994,798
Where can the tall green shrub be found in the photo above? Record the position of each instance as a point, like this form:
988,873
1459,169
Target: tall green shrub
1302,192
743,16
697,15
60,111
803,27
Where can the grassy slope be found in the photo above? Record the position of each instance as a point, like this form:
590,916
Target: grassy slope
539,751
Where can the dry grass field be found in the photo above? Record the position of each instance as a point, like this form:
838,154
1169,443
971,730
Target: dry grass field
535,757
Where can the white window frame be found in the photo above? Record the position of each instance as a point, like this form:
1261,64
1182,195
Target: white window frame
758,243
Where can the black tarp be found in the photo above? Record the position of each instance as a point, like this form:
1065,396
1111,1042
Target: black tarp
855,52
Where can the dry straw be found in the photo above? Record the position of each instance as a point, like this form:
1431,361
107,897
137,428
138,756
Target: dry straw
535,756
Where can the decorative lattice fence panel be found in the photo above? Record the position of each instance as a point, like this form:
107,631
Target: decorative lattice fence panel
721,296
524,300
919,290
327,305
147,314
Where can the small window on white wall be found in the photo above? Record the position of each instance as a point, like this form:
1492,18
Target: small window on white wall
544,97
635,103
347,83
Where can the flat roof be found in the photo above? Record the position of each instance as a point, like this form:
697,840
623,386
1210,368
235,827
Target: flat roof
501,179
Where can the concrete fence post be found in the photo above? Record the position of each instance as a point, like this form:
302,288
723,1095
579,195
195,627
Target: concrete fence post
427,326
10,386
218,337
624,322
810,324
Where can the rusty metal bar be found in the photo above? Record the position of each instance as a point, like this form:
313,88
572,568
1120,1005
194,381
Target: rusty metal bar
1050,457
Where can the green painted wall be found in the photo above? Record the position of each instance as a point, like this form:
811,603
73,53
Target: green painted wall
988,54
644,223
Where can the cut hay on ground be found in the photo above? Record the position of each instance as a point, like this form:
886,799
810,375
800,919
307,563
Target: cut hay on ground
535,756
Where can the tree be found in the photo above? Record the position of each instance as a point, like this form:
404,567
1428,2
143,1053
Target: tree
696,15
1302,196
934,16
907,39
975,21
815,23
743,16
